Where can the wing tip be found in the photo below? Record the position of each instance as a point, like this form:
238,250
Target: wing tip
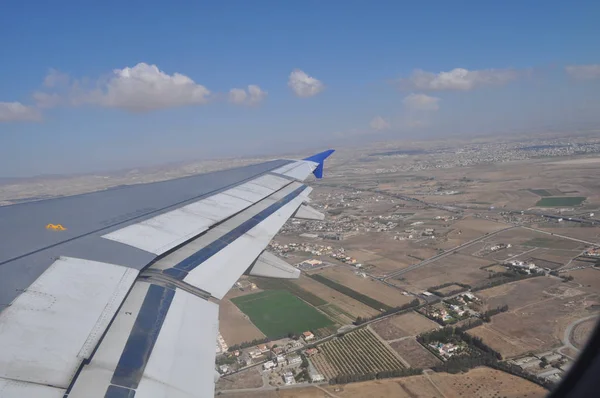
320,159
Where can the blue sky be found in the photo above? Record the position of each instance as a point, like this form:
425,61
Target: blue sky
109,85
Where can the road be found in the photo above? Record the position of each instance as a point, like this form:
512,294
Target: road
569,332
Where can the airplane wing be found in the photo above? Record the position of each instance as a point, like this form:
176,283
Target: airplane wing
115,293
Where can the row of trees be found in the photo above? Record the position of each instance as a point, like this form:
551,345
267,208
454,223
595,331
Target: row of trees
435,289
565,278
504,277
486,355
371,302
386,374
487,315
463,364
414,303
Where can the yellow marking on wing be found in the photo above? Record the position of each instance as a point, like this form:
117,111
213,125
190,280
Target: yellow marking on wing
55,227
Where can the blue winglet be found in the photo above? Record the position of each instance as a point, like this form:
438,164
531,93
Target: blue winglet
319,158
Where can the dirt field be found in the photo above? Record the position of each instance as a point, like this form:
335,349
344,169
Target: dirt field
449,289
589,278
485,382
254,394
527,328
234,325
409,324
588,234
415,354
385,253
453,268
345,303
250,378
582,332
366,286
517,294
470,228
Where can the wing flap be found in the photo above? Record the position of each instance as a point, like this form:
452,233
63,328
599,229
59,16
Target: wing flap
271,266
158,346
41,340
19,389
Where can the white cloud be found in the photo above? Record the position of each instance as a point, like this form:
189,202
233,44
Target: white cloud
421,102
458,79
379,123
17,112
254,95
583,72
303,85
140,88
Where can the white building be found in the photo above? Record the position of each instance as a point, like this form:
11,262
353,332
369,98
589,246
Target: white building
294,360
268,365
288,377
280,359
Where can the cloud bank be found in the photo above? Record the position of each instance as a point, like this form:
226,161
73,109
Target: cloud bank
458,79
17,112
253,96
583,72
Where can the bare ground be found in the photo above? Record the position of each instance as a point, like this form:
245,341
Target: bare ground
409,324
415,354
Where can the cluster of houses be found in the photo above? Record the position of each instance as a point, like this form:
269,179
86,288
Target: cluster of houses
446,350
527,266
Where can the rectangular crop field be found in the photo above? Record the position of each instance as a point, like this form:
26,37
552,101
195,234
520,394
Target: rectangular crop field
415,354
557,201
279,312
356,353
352,293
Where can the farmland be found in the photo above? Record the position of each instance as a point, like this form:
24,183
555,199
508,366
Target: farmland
478,382
524,327
347,304
557,201
409,324
365,286
377,305
414,353
235,327
278,312
454,268
356,353
540,192
283,284
485,382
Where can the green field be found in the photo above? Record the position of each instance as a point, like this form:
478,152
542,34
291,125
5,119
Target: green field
282,284
556,201
540,192
278,312
378,305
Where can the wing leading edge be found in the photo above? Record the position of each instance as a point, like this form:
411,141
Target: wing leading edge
149,332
